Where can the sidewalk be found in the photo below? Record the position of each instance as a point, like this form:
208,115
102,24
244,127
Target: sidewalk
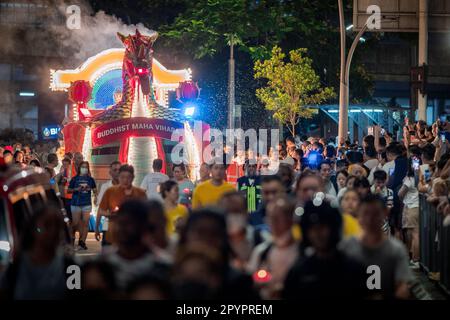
94,247
425,288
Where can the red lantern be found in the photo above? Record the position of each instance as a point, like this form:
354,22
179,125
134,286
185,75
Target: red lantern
188,90
80,91
80,94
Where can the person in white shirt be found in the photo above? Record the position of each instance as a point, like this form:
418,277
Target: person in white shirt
153,179
387,164
410,218
114,174
325,173
370,157
379,188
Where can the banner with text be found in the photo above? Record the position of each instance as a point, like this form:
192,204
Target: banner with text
133,127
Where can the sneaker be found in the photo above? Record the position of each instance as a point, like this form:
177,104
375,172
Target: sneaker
385,227
82,245
435,276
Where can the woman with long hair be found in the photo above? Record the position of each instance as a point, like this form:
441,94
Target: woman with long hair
185,185
81,187
174,211
409,194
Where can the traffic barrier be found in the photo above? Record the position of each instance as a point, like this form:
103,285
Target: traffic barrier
434,243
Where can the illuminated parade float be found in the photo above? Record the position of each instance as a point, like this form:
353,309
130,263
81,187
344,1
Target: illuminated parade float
120,109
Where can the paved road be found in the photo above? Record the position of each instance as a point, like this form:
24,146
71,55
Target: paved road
94,247
426,288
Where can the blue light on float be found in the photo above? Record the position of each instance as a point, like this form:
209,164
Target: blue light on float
189,109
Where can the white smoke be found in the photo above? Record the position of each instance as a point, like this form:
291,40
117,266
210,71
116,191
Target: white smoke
97,32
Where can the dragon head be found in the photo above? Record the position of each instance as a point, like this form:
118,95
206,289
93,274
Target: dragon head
139,56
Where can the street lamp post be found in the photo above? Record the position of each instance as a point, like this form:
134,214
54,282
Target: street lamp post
346,62
349,62
423,54
343,111
231,88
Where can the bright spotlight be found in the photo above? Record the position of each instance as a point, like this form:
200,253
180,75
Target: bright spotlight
189,111
350,27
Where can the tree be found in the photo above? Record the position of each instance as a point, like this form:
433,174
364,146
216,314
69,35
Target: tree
206,27
197,34
291,86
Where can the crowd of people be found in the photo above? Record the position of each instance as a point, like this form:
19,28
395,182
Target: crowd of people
310,227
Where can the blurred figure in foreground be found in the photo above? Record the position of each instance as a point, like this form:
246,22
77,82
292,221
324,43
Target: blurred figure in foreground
275,257
207,227
374,247
39,273
323,272
242,236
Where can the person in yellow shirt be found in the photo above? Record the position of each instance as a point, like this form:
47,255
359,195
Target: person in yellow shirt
208,193
174,211
349,204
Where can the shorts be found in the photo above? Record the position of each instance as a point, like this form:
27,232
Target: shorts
80,209
410,219
395,219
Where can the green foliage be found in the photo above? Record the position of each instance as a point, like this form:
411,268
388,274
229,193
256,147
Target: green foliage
291,86
207,26
202,30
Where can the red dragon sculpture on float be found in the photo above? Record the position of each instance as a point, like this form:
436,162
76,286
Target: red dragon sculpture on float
136,74
136,125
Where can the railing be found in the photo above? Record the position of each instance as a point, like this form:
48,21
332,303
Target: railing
434,243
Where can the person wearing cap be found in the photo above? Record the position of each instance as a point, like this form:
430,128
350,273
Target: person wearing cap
322,271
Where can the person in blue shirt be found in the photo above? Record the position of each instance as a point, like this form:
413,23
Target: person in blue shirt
82,186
